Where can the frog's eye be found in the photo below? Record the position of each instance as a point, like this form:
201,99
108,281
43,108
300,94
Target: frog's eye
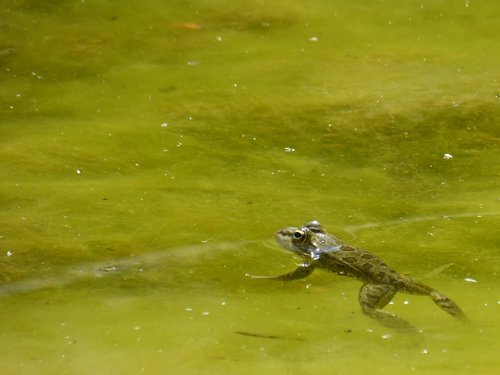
299,235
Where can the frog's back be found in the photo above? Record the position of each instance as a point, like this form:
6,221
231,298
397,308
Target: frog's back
361,264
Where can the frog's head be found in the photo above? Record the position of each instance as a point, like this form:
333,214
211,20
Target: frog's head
309,240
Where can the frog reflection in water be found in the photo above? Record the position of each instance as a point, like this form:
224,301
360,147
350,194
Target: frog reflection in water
380,282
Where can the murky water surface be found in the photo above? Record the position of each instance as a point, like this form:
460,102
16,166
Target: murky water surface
150,149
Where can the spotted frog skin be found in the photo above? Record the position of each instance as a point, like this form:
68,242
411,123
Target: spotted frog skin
380,282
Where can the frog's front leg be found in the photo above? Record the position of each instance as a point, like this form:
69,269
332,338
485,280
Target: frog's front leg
302,271
373,297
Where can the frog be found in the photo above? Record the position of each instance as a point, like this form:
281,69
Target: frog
322,250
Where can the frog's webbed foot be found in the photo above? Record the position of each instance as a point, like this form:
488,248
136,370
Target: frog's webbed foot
373,297
447,305
302,271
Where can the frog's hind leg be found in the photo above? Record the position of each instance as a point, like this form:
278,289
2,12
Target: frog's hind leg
445,303
373,297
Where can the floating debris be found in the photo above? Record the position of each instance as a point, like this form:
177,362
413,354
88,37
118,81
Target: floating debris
470,280
111,268
188,26
273,337
251,334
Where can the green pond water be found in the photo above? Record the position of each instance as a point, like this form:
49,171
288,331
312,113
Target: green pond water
150,149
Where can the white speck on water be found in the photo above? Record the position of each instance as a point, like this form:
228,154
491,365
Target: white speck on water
219,38
447,156
205,313
188,309
289,149
406,302
386,336
78,171
425,351
9,253
313,39
164,124
137,328
470,280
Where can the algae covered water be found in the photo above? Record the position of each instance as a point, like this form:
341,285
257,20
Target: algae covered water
149,150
